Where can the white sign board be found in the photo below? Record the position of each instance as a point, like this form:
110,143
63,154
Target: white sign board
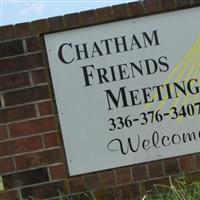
128,92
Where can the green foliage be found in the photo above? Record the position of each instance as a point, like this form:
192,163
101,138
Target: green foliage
179,190
86,195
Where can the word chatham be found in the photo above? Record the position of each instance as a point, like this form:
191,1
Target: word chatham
126,97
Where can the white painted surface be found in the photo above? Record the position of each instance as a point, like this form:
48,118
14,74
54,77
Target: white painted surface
83,111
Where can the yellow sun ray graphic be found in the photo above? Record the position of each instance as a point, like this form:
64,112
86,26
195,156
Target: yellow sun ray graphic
196,73
193,70
188,70
187,67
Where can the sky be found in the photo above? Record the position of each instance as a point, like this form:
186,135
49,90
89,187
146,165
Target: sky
17,11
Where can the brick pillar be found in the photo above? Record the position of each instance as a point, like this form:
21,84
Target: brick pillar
32,158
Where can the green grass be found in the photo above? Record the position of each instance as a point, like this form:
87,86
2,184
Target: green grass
83,196
179,189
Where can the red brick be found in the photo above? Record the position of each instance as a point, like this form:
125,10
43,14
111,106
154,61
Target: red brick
150,185
183,3
187,163
88,17
58,171
11,48
9,195
124,176
196,2
7,32
168,5
21,63
45,108
51,140
107,178
139,172
193,177
76,184
135,9
39,76
103,15
113,193
119,12
14,81
6,165
33,44
23,29
7,148
155,169
25,178
107,194
152,6
20,145
28,144
26,95
92,181
18,113
56,23
197,159
46,191
40,26
39,159
130,192
3,133
32,127
171,166
72,20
